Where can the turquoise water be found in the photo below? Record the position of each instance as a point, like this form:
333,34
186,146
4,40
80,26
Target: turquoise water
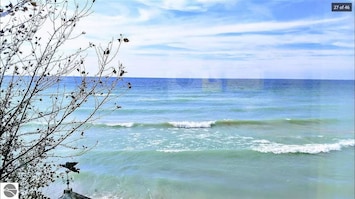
219,138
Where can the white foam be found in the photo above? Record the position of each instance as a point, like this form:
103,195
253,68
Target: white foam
186,124
127,124
277,148
261,141
174,150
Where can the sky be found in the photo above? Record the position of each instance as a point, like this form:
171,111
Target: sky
296,39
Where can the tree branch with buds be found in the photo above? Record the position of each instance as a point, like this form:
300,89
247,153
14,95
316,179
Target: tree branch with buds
33,64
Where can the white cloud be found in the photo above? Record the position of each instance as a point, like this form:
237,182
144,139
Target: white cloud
164,43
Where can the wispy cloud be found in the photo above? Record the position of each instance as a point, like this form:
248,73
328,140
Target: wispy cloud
210,38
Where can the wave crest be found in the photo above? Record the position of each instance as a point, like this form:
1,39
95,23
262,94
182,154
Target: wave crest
186,124
265,146
210,124
122,124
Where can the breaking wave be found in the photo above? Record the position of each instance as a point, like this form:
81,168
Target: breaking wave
265,146
186,124
210,124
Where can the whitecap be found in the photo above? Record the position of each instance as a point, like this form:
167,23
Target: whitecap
127,124
174,150
186,124
277,148
261,141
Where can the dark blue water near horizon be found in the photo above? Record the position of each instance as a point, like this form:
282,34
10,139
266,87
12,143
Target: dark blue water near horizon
224,83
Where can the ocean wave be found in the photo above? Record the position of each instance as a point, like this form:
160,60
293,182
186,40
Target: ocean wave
176,150
216,123
119,124
187,124
265,146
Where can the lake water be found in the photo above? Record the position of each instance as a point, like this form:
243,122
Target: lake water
222,138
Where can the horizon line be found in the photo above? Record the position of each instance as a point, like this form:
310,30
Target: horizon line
165,77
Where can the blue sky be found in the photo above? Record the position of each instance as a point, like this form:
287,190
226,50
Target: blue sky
228,38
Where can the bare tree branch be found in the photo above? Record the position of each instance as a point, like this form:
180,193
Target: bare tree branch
32,63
